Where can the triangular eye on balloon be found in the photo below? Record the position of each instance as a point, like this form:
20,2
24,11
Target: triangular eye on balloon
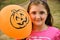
14,10
21,14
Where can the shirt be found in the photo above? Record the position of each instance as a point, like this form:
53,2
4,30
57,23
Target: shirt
51,33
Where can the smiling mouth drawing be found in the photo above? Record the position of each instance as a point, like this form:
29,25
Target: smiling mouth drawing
18,19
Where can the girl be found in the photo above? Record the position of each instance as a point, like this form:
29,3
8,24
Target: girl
42,20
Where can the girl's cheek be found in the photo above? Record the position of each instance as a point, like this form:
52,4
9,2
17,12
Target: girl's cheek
44,17
31,17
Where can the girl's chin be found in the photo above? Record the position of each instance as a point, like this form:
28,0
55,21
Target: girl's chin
38,24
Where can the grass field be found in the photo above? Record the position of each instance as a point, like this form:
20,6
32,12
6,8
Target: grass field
7,2
53,4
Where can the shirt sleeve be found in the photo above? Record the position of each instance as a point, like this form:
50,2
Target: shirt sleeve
57,37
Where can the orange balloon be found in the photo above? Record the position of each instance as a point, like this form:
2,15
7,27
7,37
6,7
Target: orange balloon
15,21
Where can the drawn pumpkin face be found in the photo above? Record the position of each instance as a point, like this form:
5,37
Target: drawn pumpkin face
18,19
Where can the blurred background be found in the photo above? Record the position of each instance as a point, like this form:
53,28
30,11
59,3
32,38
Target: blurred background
53,4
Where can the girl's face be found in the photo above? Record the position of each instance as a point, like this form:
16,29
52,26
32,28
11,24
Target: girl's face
38,14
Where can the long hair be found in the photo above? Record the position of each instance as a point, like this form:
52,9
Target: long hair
49,19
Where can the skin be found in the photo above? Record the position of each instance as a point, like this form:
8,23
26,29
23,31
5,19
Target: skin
38,16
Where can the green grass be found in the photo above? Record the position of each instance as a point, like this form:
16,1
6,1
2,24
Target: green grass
7,2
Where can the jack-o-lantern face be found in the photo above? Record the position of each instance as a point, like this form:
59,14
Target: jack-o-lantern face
18,19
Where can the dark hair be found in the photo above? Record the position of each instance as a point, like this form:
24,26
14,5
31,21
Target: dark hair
49,19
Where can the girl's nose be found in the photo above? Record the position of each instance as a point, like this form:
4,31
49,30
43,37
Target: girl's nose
37,15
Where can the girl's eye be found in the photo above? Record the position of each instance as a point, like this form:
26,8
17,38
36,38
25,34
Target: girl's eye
34,13
42,12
